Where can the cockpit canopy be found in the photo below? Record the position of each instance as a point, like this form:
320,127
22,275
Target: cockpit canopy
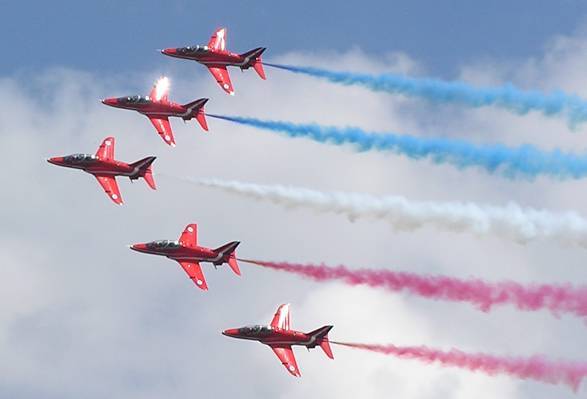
136,99
80,158
193,49
163,244
256,330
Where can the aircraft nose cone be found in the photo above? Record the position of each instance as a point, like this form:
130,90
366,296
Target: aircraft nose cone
169,51
109,101
138,247
231,332
55,160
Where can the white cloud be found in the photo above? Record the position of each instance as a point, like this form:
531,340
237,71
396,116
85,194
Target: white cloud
82,316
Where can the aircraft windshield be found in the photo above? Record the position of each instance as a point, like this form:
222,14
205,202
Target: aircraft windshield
80,158
194,49
138,99
256,330
163,244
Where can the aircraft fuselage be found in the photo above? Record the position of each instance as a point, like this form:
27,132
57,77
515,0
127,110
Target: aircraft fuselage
207,56
147,106
176,251
272,336
94,165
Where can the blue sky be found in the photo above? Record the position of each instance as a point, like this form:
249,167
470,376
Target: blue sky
83,316
113,36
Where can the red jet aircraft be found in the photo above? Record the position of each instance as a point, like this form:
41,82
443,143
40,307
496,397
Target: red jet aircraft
189,255
105,168
217,58
157,107
280,338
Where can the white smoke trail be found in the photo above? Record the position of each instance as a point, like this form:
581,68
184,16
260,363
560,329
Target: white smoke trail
511,221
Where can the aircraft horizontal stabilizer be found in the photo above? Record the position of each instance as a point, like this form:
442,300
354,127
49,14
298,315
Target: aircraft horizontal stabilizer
145,171
233,264
253,58
229,255
196,109
321,335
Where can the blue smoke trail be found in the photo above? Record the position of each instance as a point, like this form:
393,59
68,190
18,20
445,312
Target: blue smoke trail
524,161
507,96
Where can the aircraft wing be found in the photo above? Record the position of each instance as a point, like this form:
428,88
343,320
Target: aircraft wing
222,77
106,149
286,355
281,318
163,127
109,185
160,90
194,270
218,40
189,237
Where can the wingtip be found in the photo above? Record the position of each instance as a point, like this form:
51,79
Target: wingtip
201,284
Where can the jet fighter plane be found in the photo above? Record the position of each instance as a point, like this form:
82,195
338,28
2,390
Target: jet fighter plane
105,168
157,107
280,338
189,254
217,58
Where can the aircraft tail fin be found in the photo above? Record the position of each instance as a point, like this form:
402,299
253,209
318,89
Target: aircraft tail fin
253,59
321,339
145,171
196,110
229,255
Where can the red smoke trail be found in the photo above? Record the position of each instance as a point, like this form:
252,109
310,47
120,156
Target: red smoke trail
535,367
557,298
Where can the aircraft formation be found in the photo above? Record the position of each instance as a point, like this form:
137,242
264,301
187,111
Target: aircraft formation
278,334
186,251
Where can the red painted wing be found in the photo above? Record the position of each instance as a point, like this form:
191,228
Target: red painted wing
221,75
163,127
281,318
106,149
218,40
160,90
109,185
194,270
286,355
189,237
